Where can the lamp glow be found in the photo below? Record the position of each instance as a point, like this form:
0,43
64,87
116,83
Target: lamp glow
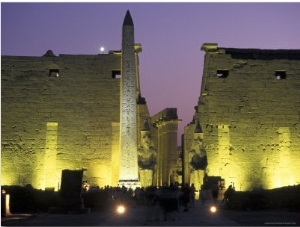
213,209
121,209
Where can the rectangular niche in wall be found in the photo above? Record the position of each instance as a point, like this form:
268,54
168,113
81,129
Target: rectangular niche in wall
116,74
54,73
222,73
280,74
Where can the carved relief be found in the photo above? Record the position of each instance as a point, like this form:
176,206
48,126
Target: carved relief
129,166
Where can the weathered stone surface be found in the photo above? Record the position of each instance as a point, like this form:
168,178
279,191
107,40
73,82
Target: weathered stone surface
250,119
81,95
83,100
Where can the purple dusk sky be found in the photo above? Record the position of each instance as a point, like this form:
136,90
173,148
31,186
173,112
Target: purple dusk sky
171,34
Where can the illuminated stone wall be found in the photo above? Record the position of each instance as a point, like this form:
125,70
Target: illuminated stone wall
249,110
52,123
64,113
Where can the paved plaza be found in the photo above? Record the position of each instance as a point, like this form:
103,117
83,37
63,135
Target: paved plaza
152,216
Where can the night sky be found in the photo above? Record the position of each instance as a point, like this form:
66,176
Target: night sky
171,34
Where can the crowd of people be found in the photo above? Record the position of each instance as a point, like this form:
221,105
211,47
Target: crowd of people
168,199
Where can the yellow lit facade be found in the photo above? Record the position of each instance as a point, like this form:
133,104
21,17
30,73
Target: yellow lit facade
249,117
249,114
63,112
49,124
54,123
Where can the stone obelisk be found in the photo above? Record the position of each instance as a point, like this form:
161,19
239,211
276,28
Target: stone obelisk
128,124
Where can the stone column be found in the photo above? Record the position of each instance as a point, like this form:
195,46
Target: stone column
159,156
166,123
164,155
167,150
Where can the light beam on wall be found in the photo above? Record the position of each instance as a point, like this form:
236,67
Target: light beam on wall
50,178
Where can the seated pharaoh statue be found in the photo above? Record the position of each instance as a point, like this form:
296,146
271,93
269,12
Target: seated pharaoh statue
146,157
197,161
146,153
197,155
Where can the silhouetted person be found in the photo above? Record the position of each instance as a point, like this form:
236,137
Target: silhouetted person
228,194
215,191
192,196
168,200
201,195
186,197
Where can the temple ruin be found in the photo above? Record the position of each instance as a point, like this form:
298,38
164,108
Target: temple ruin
247,119
64,112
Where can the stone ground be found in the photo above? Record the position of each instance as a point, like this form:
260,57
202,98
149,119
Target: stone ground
146,216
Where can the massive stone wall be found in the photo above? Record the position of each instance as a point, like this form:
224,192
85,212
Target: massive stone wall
63,112
59,113
249,110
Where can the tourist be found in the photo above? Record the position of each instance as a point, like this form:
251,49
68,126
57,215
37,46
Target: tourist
169,201
186,197
192,196
215,191
228,194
